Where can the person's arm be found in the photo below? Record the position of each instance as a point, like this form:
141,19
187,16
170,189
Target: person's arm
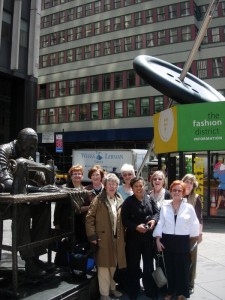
198,210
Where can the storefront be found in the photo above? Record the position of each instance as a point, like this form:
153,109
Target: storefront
191,139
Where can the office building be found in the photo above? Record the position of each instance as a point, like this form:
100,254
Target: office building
88,89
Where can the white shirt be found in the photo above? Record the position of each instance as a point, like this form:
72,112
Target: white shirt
186,222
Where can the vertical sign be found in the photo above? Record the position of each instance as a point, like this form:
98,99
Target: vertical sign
59,142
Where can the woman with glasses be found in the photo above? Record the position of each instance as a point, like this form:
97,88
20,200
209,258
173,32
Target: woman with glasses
194,199
158,192
127,173
105,230
177,224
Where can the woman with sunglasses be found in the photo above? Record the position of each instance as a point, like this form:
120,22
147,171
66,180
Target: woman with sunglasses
177,224
158,192
127,173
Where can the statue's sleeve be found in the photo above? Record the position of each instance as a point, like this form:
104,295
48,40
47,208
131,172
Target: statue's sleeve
5,173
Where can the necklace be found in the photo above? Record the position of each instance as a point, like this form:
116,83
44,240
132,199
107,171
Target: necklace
176,208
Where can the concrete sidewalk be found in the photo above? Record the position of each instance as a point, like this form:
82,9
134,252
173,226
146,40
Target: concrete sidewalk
210,281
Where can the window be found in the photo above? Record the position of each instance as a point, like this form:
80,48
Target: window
62,17
53,39
83,85
127,21
88,9
83,112
107,27
61,57
150,39
172,11
158,104
79,53
186,33
118,111
97,7
54,19
79,12
97,50
46,22
223,8
117,46
97,28
118,80
127,2
42,91
44,41
128,43
62,37
78,32
52,115
52,90
94,84
94,111
62,88
131,108
53,60
55,2
117,23
215,35
138,18
70,14
217,66
149,16
70,35
6,26
106,110
185,8
117,3
161,14
87,52
106,5
62,114
42,116
44,61
107,48
24,34
161,37
202,68
47,4
106,82
173,35
138,41
87,29
131,75
72,113
145,107
72,87
69,55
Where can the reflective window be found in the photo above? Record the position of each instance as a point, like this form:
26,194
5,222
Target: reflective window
118,111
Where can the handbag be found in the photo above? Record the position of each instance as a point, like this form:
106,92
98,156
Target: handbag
158,274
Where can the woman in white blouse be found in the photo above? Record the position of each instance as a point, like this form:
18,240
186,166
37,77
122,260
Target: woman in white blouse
177,224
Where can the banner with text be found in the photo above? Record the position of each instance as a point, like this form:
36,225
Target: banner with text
190,127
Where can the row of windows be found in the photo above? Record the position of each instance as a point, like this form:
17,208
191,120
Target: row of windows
208,68
139,18
131,43
158,14
92,29
102,110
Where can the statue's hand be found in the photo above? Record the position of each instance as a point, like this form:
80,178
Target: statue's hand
49,189
78,198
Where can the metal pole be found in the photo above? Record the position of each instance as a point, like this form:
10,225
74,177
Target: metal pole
205,24
200,36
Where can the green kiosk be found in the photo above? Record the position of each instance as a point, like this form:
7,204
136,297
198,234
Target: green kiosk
191,139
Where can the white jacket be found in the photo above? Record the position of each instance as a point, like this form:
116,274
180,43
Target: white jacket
186,224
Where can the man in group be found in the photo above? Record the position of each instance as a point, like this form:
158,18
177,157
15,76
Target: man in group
24,147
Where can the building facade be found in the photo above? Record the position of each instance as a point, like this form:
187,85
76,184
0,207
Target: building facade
19,37
88,89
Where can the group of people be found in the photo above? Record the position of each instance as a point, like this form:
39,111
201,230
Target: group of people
121,221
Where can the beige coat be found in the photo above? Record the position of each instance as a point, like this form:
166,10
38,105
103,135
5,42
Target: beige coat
99,226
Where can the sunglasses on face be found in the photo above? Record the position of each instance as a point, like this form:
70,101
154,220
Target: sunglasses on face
127,174
155,179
